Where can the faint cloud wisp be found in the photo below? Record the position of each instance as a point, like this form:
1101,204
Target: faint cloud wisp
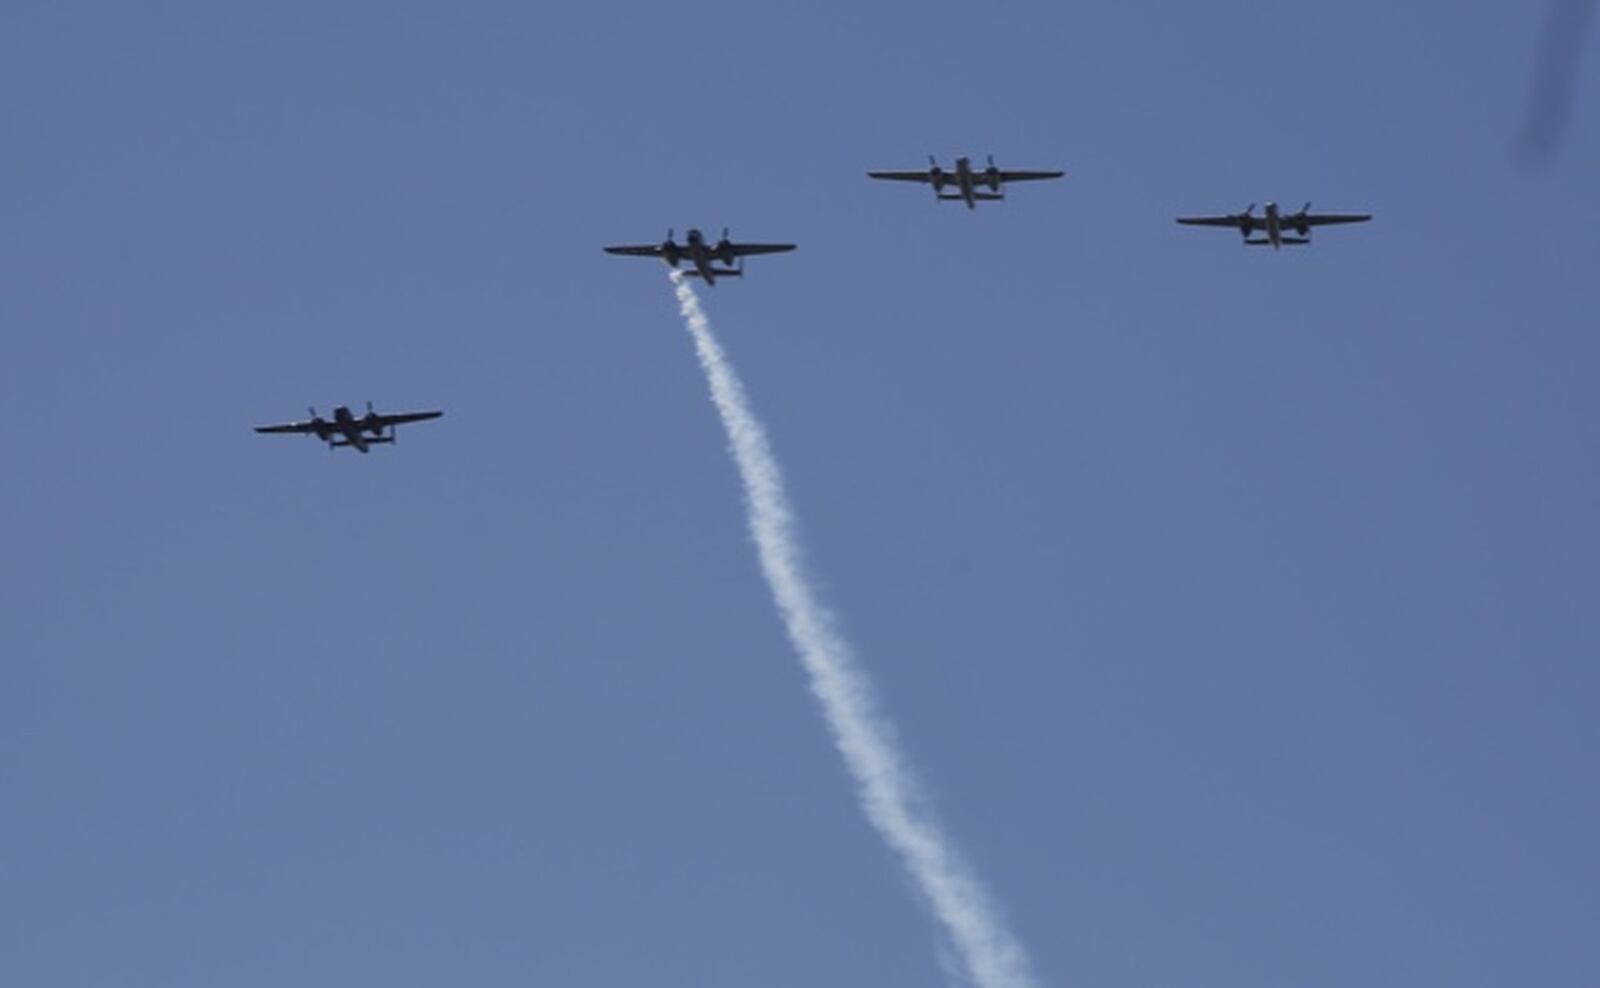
889,795
1555,79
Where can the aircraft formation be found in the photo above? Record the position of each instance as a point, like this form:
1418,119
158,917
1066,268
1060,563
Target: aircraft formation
725,259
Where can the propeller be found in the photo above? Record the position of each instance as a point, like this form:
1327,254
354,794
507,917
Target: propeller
992,175
369,406
669,235
318,428
1302,221
933,162
1245,221
724,234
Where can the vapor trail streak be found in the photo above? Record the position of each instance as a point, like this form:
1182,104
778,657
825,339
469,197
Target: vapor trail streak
889,794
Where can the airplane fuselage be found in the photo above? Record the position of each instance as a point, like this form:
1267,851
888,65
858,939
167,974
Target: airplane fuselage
969,192
701,255
1278,227
350,427
968,182
1274,226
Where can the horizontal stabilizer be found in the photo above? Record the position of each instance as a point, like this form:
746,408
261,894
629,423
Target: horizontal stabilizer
1296,240
370,442
715,273
980,196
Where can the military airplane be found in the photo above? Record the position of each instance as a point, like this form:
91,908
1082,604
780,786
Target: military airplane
703,256
966,181
346,429
1275,223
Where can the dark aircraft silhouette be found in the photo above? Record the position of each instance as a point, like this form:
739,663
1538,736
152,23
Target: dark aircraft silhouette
1274,224
348,430
701,255
966,180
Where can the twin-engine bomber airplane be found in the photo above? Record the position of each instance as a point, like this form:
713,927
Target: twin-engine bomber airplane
1274,224
348,430
966,180
702,255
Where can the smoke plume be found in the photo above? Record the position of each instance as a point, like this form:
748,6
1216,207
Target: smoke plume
889,794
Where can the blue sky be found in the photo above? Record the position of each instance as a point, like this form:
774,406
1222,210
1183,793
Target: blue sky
1236,607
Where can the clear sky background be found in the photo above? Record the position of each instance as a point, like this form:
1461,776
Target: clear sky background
1237,608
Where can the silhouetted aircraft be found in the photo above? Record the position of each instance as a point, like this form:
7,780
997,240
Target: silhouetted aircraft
966,180
348,430
702,255
1274,224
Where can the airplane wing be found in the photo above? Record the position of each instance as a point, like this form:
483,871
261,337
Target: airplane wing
1231,222
652,250
300,427
1026,176
922,176
403,417
1332,219
750,250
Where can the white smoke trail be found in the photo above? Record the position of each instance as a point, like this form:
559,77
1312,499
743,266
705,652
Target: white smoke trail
889,794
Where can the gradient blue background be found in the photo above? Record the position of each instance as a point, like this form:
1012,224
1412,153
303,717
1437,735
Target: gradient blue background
1238,608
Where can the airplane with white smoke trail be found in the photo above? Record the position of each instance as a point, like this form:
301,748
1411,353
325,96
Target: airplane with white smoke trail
702,255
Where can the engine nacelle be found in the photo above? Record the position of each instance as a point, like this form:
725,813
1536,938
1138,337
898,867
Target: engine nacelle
936,175
992,176
670,254
724,250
